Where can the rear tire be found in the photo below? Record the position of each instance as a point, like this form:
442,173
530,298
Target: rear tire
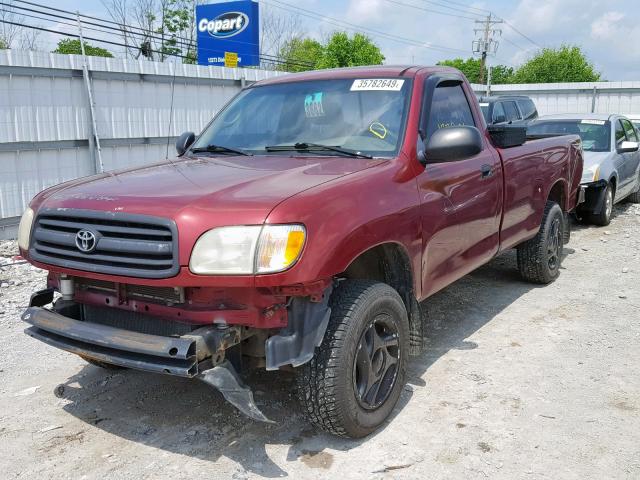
539,259
603,218
356,376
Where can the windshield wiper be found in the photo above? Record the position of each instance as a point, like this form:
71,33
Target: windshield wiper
219,149
315,147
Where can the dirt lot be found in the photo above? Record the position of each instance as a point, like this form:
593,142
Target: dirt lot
519,382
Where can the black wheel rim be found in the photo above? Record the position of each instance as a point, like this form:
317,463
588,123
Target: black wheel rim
555,245
376,362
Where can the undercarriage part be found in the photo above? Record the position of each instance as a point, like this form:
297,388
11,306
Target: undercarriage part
295,344
225,378
67,288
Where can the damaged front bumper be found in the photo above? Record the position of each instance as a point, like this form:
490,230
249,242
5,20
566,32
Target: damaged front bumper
199,354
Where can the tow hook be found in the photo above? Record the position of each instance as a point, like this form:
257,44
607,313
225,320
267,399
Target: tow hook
225,378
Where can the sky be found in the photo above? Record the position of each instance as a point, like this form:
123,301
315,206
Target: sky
608,31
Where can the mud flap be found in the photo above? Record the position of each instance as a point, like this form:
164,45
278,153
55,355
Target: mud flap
225,378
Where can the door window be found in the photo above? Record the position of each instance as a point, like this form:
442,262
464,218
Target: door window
512,111
449,108
498,112
629,130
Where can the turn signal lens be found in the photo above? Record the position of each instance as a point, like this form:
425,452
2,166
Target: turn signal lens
279,247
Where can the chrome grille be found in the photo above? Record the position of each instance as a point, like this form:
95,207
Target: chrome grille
123,244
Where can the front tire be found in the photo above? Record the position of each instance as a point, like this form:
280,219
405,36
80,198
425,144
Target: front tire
603,218
356,376
539,259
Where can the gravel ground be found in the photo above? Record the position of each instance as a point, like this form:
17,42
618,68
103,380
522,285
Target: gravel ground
519,382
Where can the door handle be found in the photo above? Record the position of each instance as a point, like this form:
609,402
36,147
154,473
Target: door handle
486,171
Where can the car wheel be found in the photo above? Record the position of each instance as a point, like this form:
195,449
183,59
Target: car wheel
539,259
356,376
603,218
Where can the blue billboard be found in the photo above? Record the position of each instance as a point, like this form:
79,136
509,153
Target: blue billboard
228,30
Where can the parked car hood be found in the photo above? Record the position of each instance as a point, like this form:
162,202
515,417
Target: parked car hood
595,158
202,191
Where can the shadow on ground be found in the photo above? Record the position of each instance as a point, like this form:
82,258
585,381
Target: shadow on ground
189,418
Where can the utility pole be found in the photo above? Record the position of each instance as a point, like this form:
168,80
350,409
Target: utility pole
486,45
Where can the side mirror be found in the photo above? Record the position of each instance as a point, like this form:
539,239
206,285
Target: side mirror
451,144
628,147
500,119
184,142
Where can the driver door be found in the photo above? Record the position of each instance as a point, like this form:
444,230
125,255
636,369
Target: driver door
461,200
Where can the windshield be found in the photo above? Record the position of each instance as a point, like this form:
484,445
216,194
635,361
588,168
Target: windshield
595,134
363,115
636,123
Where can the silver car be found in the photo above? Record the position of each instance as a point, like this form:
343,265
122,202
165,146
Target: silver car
611,159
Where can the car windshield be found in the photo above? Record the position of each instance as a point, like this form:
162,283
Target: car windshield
595,134
636,123
362,115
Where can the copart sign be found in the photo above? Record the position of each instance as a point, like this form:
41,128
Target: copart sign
228,29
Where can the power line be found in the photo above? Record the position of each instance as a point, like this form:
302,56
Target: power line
522,34
514,44
358,28
396,2
268,58
145,34
467,8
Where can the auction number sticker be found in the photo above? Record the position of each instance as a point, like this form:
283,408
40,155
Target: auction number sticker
593,122
389,84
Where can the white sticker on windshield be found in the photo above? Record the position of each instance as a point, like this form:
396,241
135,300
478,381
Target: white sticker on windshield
593,122
389,84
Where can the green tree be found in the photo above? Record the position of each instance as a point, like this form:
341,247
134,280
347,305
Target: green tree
342,51
501,74
550,65
71,46
3,46
301,54
471,69
177,23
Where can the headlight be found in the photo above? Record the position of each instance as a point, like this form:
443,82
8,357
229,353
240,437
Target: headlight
24,229
591,174
247,249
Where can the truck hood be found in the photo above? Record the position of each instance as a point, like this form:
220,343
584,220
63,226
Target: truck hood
208,191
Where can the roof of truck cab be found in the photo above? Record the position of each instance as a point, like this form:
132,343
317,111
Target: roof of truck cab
579,116
495,98
382,71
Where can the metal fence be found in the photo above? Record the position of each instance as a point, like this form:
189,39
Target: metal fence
45,119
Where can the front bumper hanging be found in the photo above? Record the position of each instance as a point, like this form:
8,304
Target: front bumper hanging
199,354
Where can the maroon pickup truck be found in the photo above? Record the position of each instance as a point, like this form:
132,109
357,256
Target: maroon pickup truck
299,231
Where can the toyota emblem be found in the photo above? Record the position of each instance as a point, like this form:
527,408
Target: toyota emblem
86,241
